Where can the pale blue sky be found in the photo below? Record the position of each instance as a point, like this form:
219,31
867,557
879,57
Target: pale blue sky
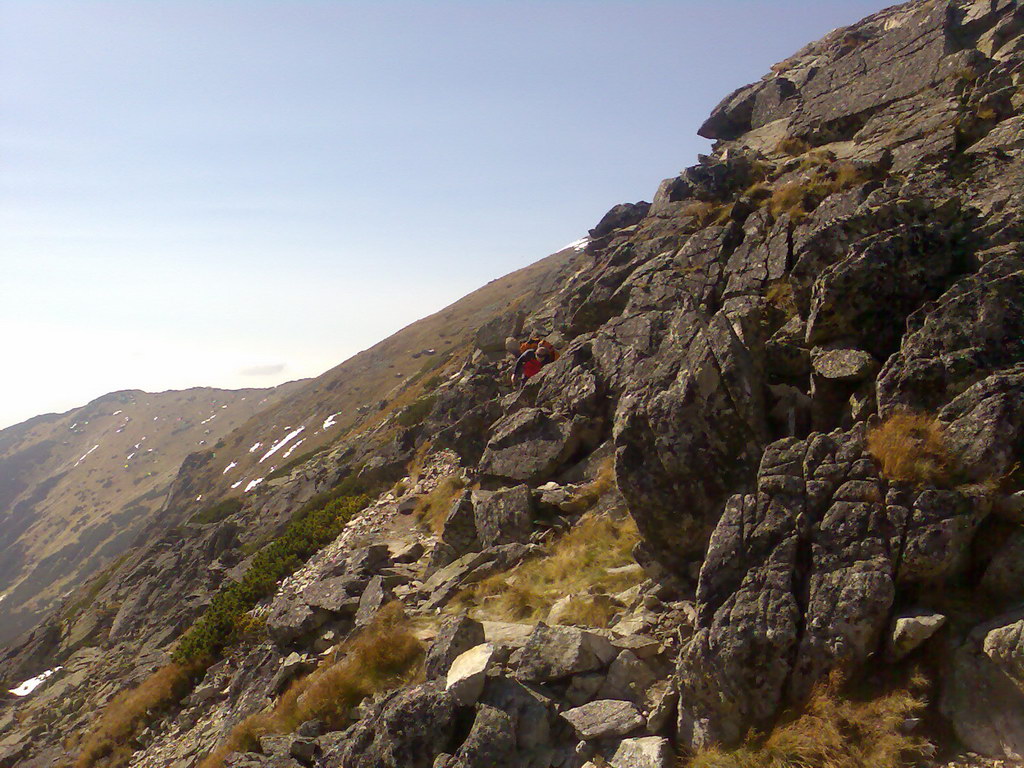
242,193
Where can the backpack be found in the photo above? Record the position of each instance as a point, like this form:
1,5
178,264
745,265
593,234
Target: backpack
536,341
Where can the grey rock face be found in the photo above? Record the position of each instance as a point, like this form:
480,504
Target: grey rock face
830,88
868,294
456,635
405,730
974,329
459,531
823,525
985,425
528,446
693,430
622,215
503,517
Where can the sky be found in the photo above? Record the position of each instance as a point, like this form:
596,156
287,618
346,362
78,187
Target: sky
237,193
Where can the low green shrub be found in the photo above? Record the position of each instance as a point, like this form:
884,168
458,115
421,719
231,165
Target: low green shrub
416,412
216,512
316,524
299,460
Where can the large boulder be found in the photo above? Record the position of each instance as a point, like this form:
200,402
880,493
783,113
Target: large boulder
491,741
831,88
604,719
982,696
504,516
459,528
555,653
621,215
868,295
985,425
529,708
689,435
529,445
456,635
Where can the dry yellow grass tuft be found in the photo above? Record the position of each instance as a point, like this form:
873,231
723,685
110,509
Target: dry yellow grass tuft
789,197
835,731
910,447
780,294
791,145
576,564
432,509
702,212
592,492
384,655
801,196
108,742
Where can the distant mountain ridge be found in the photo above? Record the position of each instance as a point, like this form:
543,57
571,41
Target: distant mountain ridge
76,488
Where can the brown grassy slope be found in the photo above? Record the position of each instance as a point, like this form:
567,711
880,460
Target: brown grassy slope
368,377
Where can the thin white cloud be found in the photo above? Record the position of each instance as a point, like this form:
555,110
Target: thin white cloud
263,370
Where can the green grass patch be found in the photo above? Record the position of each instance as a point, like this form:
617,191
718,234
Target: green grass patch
416,412
216,512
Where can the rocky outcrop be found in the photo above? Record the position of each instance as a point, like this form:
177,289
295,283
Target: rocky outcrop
802,576
850,249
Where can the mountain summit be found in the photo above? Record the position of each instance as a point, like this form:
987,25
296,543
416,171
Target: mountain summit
763,510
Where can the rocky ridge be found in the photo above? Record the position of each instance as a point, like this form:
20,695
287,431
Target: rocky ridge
804,361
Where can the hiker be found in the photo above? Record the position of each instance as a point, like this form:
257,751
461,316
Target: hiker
536,355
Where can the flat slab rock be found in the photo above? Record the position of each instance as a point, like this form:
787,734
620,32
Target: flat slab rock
604,719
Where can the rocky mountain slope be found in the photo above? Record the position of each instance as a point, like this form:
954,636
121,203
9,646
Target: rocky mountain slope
764,510
77,488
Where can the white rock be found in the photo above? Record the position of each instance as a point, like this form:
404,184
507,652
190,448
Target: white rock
647,752
910,630
468,673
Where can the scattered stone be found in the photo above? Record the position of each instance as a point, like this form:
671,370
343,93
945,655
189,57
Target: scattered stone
604,719
374,598
409,552
553,653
